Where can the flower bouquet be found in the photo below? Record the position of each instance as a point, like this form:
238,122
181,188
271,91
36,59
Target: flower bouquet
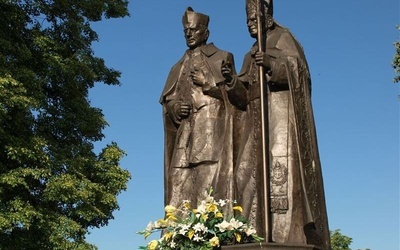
202,228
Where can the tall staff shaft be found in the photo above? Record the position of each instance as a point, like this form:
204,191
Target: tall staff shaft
261,39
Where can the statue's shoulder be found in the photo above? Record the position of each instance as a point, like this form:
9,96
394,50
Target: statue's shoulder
285,33
172,78
212,50
281,32
286,41
179,62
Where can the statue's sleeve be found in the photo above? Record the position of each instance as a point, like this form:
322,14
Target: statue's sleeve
286,48
172,111
236,89
277,74
214,78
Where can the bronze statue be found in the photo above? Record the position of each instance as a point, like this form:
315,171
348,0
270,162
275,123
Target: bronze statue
292,210
197,119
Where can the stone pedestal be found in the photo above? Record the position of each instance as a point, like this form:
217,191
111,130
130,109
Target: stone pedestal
271,246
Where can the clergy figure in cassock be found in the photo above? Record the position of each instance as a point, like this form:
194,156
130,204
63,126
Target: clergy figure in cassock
197,119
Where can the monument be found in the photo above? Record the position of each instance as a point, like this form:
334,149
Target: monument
268,158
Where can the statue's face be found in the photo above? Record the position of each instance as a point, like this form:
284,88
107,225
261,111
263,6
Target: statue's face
252,24
195,35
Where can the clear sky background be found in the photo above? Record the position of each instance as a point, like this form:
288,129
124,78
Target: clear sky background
349,47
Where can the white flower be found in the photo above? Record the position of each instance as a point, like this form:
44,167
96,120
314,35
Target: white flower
159,224
235,223
202,208
150,226
199,227
172,223
222,202
184,229
224,226
197,238
250,230
172,244
185,226
210,199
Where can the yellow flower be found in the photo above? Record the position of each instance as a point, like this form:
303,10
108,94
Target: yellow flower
204,217
190,234
212,208
186,205
168,236
171,217
169,209
152,245
147,234
214,242
219,215
238,208
161,223
238,237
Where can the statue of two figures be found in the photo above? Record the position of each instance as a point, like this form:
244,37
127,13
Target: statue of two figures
220,127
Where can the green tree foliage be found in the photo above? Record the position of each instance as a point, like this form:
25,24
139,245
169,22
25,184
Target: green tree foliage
53,186
396,60
340,241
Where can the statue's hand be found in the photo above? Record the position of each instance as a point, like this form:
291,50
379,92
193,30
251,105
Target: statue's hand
226,71
183,109
198,76
263,59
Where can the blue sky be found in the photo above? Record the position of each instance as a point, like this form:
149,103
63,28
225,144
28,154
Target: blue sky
349,47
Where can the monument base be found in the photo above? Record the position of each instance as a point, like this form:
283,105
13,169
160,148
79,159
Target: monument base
271,246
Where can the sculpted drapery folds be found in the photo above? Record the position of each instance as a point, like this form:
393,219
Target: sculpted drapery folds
197,119
296,196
